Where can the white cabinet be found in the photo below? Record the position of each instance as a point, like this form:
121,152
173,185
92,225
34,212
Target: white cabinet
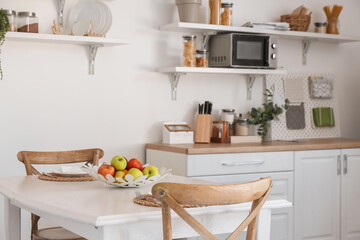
317,195
232,168
350,195
326,204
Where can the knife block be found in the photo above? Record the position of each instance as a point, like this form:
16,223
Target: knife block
203,128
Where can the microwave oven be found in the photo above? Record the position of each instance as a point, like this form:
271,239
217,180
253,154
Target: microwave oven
243,51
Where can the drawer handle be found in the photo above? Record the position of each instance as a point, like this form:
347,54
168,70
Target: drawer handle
243,163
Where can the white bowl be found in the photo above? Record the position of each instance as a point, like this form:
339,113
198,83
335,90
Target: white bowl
129,179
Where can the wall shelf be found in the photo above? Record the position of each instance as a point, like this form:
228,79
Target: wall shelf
177,72
93,43
204,28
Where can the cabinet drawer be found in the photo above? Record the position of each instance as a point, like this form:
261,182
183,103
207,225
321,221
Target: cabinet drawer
283,182
233,163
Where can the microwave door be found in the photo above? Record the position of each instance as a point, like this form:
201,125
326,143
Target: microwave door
250,51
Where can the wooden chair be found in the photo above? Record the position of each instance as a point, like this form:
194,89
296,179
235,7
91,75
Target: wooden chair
172,195
29,158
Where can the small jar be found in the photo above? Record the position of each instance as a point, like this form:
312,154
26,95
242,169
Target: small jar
226,14
242,127
27,22
189,59
320,27
201,58
12,20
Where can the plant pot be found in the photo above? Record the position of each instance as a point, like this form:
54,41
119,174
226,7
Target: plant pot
268,136
189,10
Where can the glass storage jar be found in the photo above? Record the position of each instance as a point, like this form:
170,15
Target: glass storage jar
189,59
242,127
226,14
27,22
320,27
11,14
229,115
201,58
215,7
220,132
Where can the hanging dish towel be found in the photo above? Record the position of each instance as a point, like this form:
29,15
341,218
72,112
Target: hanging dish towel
294,90
321,88
295,117
323,117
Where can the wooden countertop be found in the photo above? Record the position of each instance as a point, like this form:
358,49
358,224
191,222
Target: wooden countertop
274,146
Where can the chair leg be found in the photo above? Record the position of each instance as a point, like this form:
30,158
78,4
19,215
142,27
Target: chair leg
166,220
251,231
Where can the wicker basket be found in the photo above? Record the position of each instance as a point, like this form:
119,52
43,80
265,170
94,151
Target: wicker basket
297,22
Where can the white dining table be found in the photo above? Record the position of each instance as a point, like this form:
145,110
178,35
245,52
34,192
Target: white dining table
98,211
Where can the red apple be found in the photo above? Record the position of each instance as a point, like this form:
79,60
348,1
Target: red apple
105,169
134,163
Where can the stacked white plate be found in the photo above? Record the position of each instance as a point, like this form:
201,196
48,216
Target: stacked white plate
90,10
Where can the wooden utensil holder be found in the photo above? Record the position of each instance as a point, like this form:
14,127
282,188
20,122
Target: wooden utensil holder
203,128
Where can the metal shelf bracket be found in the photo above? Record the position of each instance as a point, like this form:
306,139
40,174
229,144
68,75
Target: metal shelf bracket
60,12
306,46
92,51
174,83
250,83
205,39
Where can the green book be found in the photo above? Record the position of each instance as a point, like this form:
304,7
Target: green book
323,117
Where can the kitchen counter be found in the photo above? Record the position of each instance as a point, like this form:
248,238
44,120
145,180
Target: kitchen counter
273,146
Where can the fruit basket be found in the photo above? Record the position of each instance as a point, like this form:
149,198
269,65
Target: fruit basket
128,181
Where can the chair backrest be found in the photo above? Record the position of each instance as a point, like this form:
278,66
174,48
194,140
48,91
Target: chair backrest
172,195
61,157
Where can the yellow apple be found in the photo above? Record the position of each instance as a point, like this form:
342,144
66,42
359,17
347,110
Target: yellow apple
119,174
151,171
136,173
119,162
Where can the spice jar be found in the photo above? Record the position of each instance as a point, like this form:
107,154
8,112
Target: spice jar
12,19
320,27
27,22
220,132
189,59
215,7
201,58
242,127
226,14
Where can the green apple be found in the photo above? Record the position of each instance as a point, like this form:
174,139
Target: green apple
119,163
151,171
136,173
119,174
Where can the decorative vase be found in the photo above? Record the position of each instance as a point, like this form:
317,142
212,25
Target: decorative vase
267,137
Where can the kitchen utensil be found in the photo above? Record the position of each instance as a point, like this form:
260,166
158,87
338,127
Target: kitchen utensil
48,175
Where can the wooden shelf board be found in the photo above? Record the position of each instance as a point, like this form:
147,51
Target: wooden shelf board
67,39
221,70
201,28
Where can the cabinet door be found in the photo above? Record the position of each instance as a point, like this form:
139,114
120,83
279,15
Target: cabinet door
281,219
317,195
350,193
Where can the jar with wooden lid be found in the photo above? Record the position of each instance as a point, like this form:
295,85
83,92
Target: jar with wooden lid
27,22
226,14
11,14
188,58
201,58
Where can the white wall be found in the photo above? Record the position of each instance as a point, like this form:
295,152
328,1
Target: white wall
49,102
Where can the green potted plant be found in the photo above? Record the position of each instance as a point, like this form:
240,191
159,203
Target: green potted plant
4,25
263,116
